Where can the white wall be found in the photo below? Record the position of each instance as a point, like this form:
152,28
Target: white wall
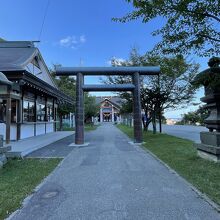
2,130
50,127
13,133
27,130
40,129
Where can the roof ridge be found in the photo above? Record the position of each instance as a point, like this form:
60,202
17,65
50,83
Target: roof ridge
17,44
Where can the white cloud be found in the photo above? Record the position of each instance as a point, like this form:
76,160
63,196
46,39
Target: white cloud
82,39
116,61
68,41
72,41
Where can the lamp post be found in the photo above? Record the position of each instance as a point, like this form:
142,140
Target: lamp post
209,148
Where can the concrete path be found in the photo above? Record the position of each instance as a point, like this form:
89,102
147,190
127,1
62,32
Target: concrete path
111,179
57,149
25,146
189,132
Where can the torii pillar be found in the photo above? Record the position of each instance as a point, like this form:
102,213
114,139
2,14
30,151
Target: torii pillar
79,120
138,136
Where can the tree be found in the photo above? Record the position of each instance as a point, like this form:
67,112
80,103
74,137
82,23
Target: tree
171,90
67,85
91,108
194,117
190,25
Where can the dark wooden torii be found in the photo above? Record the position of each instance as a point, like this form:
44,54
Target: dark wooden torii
80,72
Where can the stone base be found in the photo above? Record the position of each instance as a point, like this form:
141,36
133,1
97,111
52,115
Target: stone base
210,147
208,156
210,138
135,143
5,149
78,145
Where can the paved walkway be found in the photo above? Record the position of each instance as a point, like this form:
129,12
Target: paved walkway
111,179
57,149
25,146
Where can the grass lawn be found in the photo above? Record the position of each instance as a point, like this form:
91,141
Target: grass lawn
18,178
181,156
88,127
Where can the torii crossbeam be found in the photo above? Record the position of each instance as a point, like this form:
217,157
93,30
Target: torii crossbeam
80,72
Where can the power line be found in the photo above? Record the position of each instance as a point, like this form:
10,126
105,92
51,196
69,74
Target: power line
44,18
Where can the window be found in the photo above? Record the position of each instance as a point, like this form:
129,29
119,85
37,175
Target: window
40,112
13,111
2,111
41,109
28,111
107,110
49,111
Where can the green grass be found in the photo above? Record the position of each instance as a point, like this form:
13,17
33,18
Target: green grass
181,156
18,178
88,127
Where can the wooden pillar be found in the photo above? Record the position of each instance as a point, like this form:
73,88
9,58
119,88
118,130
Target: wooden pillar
138,136
101,115
19,109
79,134
45,116
35,114
113,114
53,114
8,120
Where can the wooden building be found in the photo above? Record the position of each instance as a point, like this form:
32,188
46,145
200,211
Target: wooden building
109,108
29,97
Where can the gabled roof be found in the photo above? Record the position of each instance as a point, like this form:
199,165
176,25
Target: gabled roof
115,100
16,55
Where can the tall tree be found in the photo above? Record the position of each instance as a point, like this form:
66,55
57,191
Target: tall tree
171,90
67,85
91,108
190,25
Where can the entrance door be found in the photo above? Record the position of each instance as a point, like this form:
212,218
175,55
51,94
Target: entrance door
107,117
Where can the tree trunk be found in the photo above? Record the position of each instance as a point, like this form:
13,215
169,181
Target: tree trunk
154,123
160,121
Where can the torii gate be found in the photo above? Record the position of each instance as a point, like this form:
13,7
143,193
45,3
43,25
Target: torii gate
80,72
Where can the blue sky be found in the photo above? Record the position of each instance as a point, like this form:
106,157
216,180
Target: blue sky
79,33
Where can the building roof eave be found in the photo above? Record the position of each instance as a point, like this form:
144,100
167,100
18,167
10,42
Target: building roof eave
29,78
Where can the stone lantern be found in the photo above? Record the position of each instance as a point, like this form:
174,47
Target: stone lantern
5,86
209,148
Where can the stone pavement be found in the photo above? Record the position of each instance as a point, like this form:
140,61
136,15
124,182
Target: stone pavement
58,149
25,146
111,179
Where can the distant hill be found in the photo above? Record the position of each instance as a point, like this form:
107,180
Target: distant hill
1,39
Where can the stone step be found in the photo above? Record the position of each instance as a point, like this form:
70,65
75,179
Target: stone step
208,148
5,149
14,154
